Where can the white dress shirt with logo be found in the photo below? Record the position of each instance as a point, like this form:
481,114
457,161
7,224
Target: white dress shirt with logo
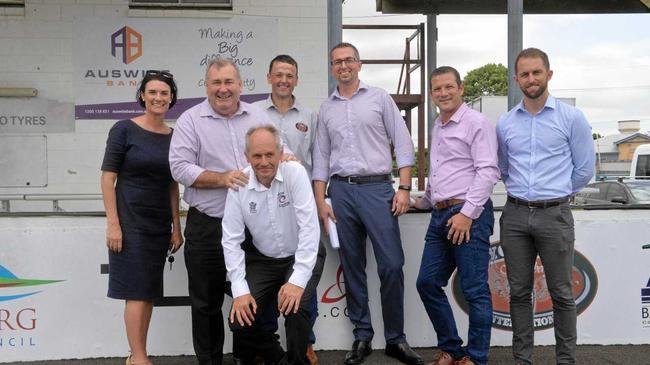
282,220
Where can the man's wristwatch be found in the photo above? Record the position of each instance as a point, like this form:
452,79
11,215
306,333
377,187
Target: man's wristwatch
404,187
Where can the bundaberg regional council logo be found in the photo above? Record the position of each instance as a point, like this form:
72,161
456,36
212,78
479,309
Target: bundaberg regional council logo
13,287
585,286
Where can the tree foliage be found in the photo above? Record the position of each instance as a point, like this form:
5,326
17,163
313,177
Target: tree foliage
491,79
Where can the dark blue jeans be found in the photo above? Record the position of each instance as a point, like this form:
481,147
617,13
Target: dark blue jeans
439,260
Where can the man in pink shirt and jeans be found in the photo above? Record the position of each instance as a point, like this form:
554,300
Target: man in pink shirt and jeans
462,172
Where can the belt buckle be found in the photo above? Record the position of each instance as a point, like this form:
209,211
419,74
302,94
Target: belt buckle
350,181
531,204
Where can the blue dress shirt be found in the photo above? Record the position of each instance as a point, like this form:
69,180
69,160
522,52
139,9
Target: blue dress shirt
545,156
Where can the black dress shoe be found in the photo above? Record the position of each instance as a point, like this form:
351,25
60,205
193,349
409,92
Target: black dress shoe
404,353
360,350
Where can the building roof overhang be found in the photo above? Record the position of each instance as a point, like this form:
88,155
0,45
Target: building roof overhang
501,6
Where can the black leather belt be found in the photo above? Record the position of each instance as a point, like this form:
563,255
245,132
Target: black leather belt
538,203
363,179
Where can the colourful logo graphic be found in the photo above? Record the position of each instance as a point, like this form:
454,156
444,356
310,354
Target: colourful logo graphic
9,281
129,42
645,294
336,291
645,305
585,286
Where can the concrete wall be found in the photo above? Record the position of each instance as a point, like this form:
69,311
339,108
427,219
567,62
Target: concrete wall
68,315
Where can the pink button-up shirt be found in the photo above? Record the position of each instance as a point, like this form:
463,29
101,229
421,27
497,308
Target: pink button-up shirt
463,161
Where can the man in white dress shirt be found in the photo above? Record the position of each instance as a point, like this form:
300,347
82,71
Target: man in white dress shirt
278,209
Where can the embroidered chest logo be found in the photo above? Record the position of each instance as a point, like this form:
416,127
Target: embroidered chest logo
282,200
302,127
252,207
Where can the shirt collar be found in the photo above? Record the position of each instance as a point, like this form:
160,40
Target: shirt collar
336,95
268,103
550,103
207,111
253,184
458,114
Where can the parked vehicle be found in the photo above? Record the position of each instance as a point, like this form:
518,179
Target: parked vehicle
615,192
640,167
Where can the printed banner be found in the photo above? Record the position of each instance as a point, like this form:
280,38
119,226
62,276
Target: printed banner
111,55
54,305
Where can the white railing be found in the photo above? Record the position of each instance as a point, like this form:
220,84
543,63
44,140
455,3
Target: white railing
6,200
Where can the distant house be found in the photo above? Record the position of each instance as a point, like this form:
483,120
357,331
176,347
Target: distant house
614,153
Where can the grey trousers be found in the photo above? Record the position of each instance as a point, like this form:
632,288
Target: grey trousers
547,232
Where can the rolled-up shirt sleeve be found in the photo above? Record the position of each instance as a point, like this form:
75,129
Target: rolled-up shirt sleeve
483,149
321,152
398,133
233,234
427,200
308,229
183,152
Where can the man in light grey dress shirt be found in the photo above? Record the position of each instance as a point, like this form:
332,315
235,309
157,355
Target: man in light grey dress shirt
297,125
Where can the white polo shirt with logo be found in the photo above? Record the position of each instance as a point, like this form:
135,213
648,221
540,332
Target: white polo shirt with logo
282,219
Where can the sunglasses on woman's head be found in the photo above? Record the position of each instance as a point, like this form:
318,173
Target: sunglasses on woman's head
161,73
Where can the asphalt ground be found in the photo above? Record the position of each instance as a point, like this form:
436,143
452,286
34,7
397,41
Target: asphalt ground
543,355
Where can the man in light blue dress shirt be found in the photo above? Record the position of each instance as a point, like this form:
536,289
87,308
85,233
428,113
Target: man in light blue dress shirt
546,155
356,126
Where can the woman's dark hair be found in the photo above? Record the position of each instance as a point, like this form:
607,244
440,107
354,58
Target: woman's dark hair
163,76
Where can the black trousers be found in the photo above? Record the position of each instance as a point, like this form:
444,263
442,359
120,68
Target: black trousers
265,275
206,272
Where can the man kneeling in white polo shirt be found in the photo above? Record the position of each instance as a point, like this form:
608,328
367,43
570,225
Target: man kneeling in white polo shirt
277,207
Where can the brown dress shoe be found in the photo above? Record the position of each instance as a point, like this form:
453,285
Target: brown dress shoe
443,358
311,355
465,361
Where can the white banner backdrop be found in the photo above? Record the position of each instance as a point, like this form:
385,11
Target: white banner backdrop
53,303
111,55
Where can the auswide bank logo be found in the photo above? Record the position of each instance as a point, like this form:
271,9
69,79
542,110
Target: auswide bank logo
126,44
585,286
12,287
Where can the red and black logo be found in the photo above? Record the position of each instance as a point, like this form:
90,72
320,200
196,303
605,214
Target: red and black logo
585,286
336,291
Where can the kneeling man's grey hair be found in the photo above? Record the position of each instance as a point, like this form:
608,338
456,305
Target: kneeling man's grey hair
267,127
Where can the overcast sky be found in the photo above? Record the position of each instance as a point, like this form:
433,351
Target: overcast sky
603,61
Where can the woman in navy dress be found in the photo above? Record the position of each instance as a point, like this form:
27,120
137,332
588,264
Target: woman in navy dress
141,201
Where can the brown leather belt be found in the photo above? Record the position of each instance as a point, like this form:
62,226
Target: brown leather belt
443,204
538,203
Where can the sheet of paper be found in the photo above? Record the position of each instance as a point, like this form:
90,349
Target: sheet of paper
331,229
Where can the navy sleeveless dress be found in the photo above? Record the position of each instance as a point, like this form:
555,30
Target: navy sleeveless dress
140,159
